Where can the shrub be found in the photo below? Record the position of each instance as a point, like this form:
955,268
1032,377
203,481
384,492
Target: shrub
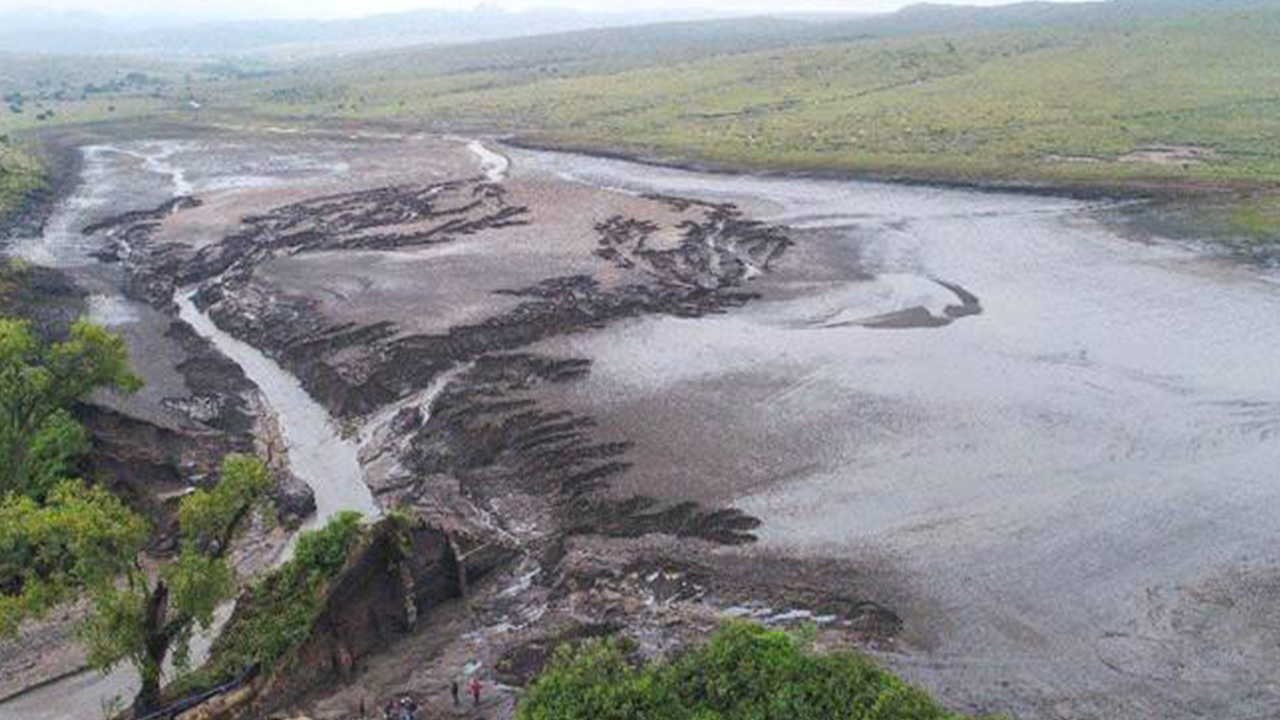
744,672
280,610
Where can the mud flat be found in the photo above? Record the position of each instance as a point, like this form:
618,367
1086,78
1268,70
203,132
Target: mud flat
1070,486
1024,460
197,405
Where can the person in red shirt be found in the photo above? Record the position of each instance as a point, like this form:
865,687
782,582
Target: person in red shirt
475,687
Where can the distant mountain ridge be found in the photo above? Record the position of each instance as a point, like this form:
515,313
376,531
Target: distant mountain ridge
88,33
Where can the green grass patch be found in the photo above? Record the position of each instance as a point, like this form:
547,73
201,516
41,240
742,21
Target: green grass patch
20,177
744,672
1056,103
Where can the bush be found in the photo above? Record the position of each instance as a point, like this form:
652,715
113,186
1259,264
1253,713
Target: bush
280,610
744,672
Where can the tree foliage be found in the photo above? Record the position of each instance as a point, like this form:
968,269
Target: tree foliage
59,538
743,673
79,537
40,440
150,615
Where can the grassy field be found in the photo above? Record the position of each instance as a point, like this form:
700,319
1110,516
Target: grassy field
1166,95
1152,95
39,93
1058,104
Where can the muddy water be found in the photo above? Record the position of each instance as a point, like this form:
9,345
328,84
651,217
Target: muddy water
1071,494
1057,446
141,175
318,453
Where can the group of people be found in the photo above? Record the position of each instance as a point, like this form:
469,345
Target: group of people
406,708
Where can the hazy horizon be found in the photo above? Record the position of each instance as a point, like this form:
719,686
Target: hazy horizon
192,10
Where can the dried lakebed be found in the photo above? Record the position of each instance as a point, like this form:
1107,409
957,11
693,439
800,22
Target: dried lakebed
1026,461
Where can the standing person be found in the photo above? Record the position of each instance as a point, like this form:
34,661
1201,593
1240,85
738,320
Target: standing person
475,690
453,690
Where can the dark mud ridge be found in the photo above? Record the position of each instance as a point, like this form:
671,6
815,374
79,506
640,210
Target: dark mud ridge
44,297
490,461
485,433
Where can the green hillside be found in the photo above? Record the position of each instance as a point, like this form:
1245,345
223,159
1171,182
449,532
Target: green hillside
1172,95
1055,100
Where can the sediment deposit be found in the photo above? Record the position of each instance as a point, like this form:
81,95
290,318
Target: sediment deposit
979,435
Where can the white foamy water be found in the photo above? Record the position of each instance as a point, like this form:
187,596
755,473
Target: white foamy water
493,165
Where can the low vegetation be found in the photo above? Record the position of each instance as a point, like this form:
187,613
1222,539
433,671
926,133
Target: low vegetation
1182,96
744,672
20,177
1162,94
279,611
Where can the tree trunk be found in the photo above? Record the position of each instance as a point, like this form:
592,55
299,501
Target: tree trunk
148,699
159,638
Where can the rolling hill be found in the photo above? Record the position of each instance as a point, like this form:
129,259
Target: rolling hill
1135,91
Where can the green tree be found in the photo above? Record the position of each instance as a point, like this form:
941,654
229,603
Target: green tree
59,538
40,440
150,614
744,672
77,538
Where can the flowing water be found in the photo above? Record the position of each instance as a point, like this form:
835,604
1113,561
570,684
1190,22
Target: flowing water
318,453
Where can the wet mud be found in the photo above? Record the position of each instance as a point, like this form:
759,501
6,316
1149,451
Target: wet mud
1019,458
